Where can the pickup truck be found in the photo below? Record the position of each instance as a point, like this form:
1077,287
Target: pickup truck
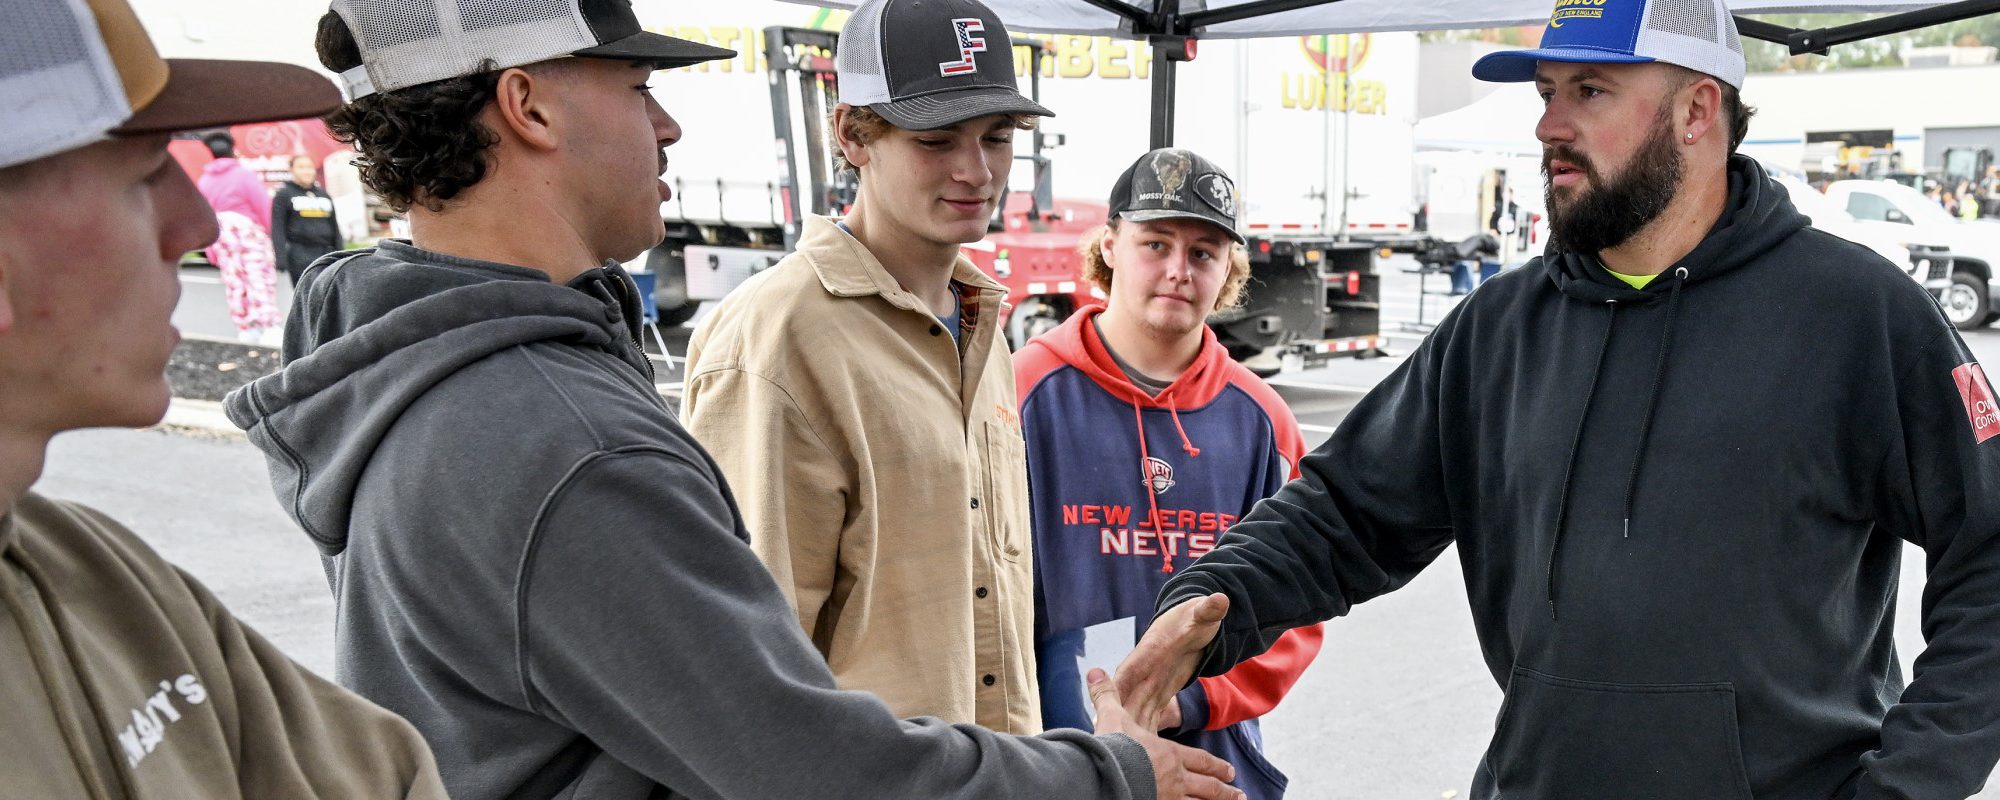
1928,264
1971,299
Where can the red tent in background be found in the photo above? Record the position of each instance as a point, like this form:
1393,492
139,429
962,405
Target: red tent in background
266,148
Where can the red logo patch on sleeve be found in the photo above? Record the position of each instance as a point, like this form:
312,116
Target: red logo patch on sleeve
1979,402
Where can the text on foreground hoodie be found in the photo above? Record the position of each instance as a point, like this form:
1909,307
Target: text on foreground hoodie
535,564
1125,487
122,678
1680,512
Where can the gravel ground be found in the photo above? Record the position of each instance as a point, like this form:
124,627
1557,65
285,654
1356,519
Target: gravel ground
206,369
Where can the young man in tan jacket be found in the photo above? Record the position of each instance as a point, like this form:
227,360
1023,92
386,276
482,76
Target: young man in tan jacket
859,396
125,678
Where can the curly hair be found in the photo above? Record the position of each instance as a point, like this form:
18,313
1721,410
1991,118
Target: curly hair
1098,273
418,146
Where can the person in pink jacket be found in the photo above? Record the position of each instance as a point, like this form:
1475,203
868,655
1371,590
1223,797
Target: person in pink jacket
243,252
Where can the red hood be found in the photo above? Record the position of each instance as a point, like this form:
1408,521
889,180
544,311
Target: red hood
1076,343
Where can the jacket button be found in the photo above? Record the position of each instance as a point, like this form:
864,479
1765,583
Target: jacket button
988,680
975,502
936,331
979,593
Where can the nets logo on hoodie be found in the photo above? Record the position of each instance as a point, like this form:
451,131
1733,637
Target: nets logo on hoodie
1159,475
1979,401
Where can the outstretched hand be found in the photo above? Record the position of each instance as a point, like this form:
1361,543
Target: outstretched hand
1166,657
1178,771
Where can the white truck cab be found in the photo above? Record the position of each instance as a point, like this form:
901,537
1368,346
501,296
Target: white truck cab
1927,264
1971,293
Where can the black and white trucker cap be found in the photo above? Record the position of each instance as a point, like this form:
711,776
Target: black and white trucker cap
1171,183
929,64
410,42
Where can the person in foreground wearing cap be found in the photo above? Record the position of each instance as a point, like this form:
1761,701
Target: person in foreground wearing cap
1680,455
531,559
1145,441
880,470
124,676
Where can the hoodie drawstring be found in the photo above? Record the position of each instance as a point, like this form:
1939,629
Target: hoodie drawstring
1187,446
1146,472
1645,427
1653,396
1576,443
1146,478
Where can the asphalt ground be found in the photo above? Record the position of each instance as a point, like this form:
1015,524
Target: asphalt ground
1399,703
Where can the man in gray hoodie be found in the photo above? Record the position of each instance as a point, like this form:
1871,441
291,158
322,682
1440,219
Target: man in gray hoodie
532,560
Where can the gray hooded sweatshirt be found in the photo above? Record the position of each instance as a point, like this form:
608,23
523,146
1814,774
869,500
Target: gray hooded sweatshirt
534,563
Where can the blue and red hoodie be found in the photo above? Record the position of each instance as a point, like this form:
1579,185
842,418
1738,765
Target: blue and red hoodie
1126,488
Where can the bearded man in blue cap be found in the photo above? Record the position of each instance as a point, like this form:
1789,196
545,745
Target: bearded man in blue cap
1680,520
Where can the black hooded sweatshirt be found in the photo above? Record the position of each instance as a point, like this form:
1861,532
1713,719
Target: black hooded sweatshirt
1680,512
303,227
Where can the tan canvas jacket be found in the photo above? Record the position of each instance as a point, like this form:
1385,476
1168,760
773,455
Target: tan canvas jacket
126,680
882,476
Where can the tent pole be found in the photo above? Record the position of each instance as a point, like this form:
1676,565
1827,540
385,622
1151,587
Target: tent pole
1817,41
1164,68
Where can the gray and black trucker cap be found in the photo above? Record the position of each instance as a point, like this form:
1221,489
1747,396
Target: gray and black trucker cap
929,64
410,42
1171,183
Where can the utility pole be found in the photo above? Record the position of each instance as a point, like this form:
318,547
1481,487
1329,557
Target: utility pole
1326,217
1346,127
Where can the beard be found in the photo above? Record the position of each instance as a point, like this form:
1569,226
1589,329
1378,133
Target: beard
1605,213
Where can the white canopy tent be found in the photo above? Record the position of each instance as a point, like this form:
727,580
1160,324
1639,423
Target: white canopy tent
1245,19
1503,122
1170,24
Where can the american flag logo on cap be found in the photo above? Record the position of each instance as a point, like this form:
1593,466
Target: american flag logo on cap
970,40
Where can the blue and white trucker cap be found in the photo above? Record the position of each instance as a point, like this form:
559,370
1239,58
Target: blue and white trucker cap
1697,34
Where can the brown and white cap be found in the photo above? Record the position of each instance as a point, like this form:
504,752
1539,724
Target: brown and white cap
73,72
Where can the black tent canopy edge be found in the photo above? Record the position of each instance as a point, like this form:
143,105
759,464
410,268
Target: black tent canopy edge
1168,30
1164,19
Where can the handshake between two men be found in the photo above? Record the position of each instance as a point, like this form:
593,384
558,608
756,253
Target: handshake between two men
1139,701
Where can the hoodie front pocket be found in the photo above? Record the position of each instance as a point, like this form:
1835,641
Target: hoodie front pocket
1560,738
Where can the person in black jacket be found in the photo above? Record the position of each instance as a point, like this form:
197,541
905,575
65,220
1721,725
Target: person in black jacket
1679,454
303,226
